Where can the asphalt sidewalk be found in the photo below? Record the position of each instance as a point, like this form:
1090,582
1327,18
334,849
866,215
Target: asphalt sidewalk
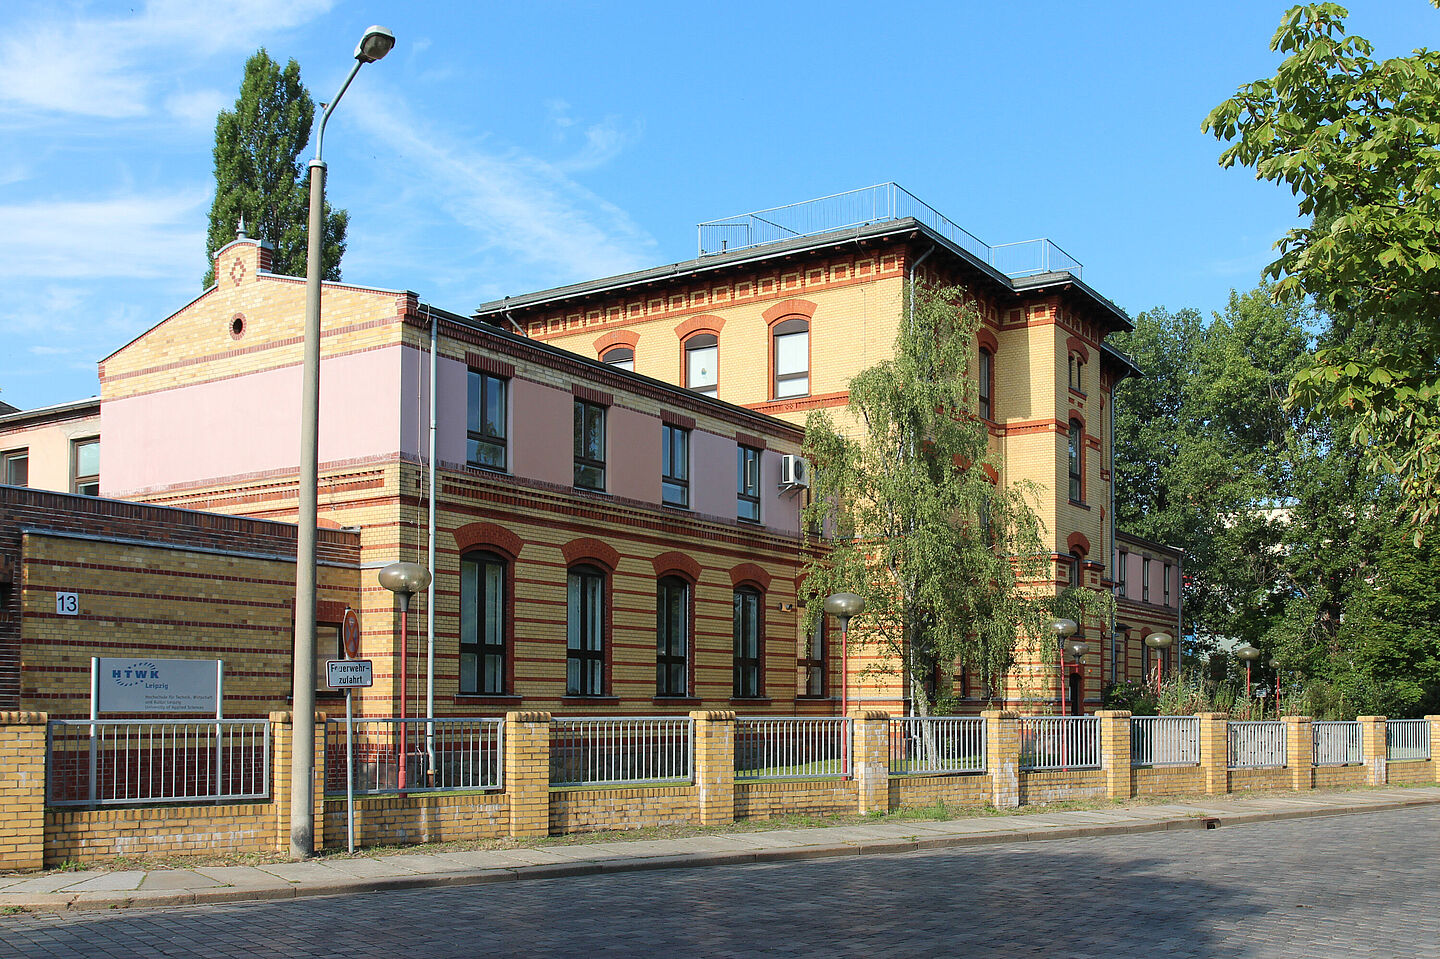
100,889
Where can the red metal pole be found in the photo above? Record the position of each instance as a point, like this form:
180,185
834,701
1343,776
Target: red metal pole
845,668
404,663
1277,694
1064,711
1247,687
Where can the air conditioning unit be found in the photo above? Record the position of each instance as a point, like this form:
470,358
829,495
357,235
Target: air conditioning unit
794,471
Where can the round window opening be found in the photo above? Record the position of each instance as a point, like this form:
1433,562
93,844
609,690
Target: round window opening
237,327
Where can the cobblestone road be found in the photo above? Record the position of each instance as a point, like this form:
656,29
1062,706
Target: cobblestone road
1341,886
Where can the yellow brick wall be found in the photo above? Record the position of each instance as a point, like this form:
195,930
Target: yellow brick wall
918,792
417,818
1167,781
87,835
1340,777
1255,780
594,810
22,790
1411,772
1057,785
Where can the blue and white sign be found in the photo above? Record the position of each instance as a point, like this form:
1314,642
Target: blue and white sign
144,685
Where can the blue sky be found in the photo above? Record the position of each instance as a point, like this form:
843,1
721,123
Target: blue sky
503,148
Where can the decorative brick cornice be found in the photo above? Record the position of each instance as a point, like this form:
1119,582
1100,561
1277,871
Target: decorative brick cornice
750,573
587,548
790,307
488,536
676,562
704,323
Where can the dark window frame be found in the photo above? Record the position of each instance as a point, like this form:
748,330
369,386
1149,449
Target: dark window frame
475,425
672,637
482,647
8,459
81,483
1120,563
1076,564
701,341
1075,450
583,409
748,679
986,385
674,455
747,495
617,355
816,669
582,649
1145,580
1165,583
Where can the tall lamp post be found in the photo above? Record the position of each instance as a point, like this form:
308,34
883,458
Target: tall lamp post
1062,629
405,580
376,42
1078,648
1159,642
844,606
1249,654
1275,665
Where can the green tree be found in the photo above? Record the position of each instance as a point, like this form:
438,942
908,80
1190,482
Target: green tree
258,176
1358,141
915,524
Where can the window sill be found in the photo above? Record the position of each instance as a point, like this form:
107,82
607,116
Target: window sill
493,470
675,701
1079,393
750,701
817,699
679,507
484,699
748,521
572,700
1079,503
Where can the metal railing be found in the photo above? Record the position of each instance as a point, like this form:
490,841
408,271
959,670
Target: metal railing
936,745
439,755
790,748
622,750
1407,739
1257,744
1336,744
1059,742
1165,740
876,204
107,762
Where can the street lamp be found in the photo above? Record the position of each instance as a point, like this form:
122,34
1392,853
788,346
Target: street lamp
376,42
1159,642
1249,654
1062,629
1078,648
404,580
844,606
1275,665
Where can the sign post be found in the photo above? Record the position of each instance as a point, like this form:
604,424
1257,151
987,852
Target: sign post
349,675
350,636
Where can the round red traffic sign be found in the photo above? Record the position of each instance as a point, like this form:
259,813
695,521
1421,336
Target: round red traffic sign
350,633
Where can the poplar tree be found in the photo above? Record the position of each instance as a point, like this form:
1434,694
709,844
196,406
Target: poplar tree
945,558
258,174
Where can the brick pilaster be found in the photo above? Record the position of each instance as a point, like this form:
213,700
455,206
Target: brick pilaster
1115,751
282,730
22,802
1372,739
715,765
527,772
870,752
1300,752
1434,745
1215,752
1002,756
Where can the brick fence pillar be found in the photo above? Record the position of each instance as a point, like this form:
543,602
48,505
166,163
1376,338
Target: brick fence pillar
715,765
527,772
1002,756
1435,746
1215,752
282,730
1300,752
22,790
1372,739
1115,751
870,754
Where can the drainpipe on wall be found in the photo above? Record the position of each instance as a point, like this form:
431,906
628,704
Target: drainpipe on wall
1114,646
430,562
907,702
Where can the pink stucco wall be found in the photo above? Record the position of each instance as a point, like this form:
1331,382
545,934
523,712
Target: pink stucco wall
415,404
249,424
542,424
712,474
632,455
779,511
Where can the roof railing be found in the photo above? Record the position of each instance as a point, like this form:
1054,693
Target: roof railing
881,203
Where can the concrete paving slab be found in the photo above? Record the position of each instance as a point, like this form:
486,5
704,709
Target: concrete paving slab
52,882
124,881
368,868
246,877
300,872
500,858
423,863
177,879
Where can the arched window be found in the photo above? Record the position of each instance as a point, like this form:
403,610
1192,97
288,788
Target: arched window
790,357
1077,372
585,633
814,661
621,357
1076,560
986,384
702,364
482,624
1077,465
672,637
748,643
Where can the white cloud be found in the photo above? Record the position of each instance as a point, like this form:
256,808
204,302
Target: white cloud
134,235
526,207
108,67
198,108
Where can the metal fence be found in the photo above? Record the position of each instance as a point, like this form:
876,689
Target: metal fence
108,762
936,745
1337,744
622,750
1407,739
875,204
1165,740
791,748
1059,742
438,755
1257,744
